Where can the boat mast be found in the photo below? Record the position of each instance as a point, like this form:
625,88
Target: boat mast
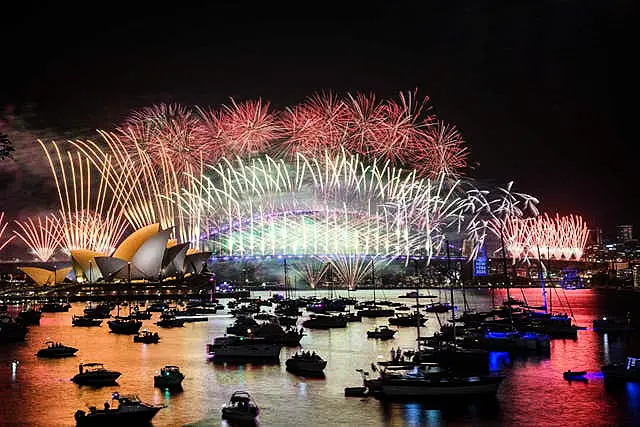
506,274
286,288
453,312
541,274
373,279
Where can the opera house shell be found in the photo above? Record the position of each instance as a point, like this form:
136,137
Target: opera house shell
146,254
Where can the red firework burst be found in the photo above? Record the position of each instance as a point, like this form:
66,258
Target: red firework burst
317,125
440,150
366,123
166,133
248,127
402,126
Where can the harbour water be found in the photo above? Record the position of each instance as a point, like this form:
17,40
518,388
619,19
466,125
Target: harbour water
39,392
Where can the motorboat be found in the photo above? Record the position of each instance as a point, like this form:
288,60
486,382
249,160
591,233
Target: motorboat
147,337
11,331
241,408
382,332
374,311
325,321
169,376
622,371
574,375
100,311
306,363
244,349
55,307
30,316
95,374
130,411
430,380
613,324
168,319
85,321
124,325
412,319
56,350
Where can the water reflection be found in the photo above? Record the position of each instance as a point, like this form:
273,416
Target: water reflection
534,385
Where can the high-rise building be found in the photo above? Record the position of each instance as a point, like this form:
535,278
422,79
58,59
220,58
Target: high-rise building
595,236
624,233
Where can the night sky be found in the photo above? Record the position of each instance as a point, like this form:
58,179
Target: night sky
544,93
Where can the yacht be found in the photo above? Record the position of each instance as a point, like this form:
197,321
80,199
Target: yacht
56,350
85,321
130,411
382,332
169,320
241,408
622,371
325,321
124,325
306,363
11,331
170,376
244,349
147,337
430,380
95,374
412,319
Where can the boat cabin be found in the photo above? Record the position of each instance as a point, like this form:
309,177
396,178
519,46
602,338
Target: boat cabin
633,364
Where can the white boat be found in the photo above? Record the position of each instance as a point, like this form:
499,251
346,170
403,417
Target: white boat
130,411
244,349
240,408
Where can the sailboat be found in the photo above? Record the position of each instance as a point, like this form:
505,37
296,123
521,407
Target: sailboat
125,324
373,310
421,380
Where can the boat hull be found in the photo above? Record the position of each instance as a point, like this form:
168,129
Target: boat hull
420,389
115,417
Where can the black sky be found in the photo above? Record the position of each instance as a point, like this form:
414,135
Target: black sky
543,91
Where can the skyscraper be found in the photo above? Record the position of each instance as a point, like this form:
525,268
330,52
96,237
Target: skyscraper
624,233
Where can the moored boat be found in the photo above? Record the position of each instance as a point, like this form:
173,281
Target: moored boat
306,363
244,349
56,350
169,376
95,374
85,321
147,337
622,371
241,408
130,411
124,325
382,332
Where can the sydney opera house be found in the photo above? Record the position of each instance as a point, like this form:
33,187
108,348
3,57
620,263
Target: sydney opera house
148,254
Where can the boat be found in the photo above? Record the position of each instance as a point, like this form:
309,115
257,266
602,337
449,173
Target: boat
241,408
244,349
147,337
430,380
85,321
412,319
169,320
11,331
29,316
306,363
170,376
574,375
100,311
124,325
622,371
56,350
55,307
613,324
95,374
382,332
130,411
325,321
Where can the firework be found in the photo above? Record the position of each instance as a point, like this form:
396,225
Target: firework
312,272
438,150
165,133
41,237
3,227
541,236
89,219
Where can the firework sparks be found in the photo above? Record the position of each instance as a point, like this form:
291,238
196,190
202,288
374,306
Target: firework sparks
312,272
41,237
3,227
88,218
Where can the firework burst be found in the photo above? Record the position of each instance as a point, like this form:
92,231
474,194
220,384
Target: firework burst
41,237
3,227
